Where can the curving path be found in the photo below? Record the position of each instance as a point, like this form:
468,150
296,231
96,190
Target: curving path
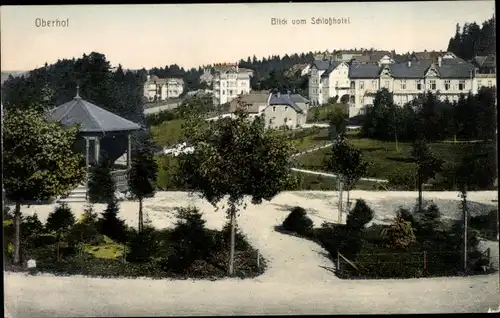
293,284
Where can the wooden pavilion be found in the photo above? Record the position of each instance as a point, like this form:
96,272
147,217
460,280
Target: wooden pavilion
100,133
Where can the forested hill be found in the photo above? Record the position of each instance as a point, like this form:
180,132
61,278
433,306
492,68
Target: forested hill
271,72
116,90
473,40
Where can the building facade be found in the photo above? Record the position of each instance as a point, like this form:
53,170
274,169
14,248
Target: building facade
449,77
229,82
157,88
276,109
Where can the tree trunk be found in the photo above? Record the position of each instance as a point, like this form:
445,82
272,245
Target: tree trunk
141,218
341,186
17,238
397,143
232,212
58,247
419,196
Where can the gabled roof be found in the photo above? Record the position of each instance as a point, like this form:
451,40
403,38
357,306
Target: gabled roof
455,70
90,117
409,70
284,99
252,101
368,70
333,66
321,65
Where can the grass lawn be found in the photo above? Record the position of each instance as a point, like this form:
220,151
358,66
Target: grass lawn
168,133
313,182
318,139
107,250
382,155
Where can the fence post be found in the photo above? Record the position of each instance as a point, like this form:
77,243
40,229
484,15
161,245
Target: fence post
425,263
258,259
488,255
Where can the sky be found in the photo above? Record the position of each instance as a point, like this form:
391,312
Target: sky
191,35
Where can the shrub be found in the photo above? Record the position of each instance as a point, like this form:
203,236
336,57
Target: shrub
112,226
298,221
359,216
399,234
31,225
61,219
149,245
486,224
190,240
223,238
101,185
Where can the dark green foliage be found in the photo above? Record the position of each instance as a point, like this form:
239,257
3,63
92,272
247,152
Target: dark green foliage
62,219
143,172
149,245
486,225
111,225
158,118
31,225
298,222
346,161
190,241
359,216
472,39
223,238
86,230
101,186
471,118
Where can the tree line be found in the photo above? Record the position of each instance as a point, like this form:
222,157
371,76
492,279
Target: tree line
117,91
472,117
473,40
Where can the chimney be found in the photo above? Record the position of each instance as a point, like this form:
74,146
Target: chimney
409,63
440,60
289,92
278,94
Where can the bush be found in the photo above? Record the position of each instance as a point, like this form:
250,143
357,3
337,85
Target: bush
359,216
101,185
61,219
298,221
112,226
486,224
31,225
149,245
223,238
190,240
399,234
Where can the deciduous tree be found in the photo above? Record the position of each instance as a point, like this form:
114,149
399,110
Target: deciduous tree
39,161
234,158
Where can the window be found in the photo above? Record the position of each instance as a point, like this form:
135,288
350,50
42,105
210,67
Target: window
479,84
447,85
375,84
230,92
386,84
353,84
362,85
432,85
274,108
403,84
286,108
490,83
242,92
337,84
419,85
461,85
223,92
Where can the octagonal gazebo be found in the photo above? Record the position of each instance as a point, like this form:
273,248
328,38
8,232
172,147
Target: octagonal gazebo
100,132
